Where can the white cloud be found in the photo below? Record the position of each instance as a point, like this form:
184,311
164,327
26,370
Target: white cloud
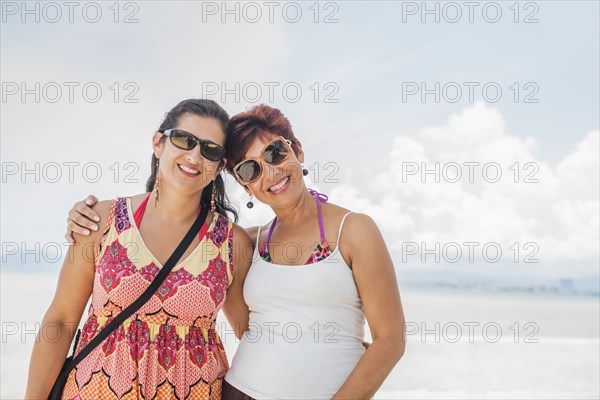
560,212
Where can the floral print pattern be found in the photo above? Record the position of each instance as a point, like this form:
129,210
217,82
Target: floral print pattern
170,348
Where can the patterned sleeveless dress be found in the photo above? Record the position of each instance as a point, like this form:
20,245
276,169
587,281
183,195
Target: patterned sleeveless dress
169,349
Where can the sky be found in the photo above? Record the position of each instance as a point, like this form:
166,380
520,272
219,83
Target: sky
502,98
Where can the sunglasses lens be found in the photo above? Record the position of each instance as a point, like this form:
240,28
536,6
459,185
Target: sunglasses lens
276,152
248,171
187,141
212,151
183,140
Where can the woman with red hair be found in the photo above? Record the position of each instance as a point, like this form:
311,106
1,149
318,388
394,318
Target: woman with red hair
318,272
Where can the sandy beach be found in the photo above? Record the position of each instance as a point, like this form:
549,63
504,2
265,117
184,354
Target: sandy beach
459,345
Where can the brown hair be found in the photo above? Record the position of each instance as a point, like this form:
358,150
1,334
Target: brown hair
259,121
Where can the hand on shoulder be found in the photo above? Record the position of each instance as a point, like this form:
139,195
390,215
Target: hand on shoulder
102,208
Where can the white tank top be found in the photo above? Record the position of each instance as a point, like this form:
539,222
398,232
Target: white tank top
306,329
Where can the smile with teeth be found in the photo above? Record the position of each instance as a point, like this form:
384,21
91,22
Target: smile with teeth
280,184
188,170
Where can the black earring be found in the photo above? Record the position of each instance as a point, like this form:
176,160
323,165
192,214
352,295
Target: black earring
250,204
304,170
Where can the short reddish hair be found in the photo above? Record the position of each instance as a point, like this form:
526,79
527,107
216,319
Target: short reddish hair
259,121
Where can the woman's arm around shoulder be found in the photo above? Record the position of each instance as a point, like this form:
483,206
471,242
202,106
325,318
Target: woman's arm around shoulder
73,291
376,282
235,307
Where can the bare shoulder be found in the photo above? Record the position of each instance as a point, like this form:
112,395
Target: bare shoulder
137,199
359,226
360,223
102,208
354,222
240,234
359,234
334,210
253,231
242,258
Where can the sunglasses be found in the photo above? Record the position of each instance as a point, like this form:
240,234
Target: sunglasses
186,141
274,153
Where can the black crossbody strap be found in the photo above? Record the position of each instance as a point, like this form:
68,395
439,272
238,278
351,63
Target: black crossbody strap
133,307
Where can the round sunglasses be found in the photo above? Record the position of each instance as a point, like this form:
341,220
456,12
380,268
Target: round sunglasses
186,141
275,152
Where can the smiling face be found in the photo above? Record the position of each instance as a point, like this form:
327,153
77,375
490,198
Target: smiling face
187,170
279,185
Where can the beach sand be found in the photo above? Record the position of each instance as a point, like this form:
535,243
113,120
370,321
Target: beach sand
475,353
557,356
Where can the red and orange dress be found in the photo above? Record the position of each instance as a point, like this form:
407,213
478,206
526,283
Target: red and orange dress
168,349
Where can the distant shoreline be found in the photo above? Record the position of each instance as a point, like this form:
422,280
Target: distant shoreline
474,286
508,291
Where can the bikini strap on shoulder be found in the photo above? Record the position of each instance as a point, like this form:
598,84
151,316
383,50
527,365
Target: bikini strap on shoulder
257,236
319,197
268,233
341,226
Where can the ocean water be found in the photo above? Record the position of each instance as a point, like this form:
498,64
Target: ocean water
459,345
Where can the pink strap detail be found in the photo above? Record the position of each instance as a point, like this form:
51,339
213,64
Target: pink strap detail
139,213
204,228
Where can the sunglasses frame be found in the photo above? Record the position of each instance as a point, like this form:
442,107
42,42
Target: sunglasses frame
261,159
199,142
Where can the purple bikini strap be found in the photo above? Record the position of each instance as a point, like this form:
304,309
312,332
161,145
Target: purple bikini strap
270,232
320,197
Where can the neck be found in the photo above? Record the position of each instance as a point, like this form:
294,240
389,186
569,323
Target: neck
304,208
173,207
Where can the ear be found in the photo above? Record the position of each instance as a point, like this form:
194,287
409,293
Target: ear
157,144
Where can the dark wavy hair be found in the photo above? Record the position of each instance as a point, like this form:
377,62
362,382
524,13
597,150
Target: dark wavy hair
202,108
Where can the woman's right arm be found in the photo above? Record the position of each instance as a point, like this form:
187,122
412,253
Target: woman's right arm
82,218
235,308
60,322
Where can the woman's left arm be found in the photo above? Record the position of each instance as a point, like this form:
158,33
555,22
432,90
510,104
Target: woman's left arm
375,279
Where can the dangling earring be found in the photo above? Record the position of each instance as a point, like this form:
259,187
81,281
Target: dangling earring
212,197
250,204
304,170
156,185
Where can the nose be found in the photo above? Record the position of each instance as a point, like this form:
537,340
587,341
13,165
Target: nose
194,157
271,173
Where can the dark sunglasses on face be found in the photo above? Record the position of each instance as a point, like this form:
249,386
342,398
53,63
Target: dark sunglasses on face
186,141
275,152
